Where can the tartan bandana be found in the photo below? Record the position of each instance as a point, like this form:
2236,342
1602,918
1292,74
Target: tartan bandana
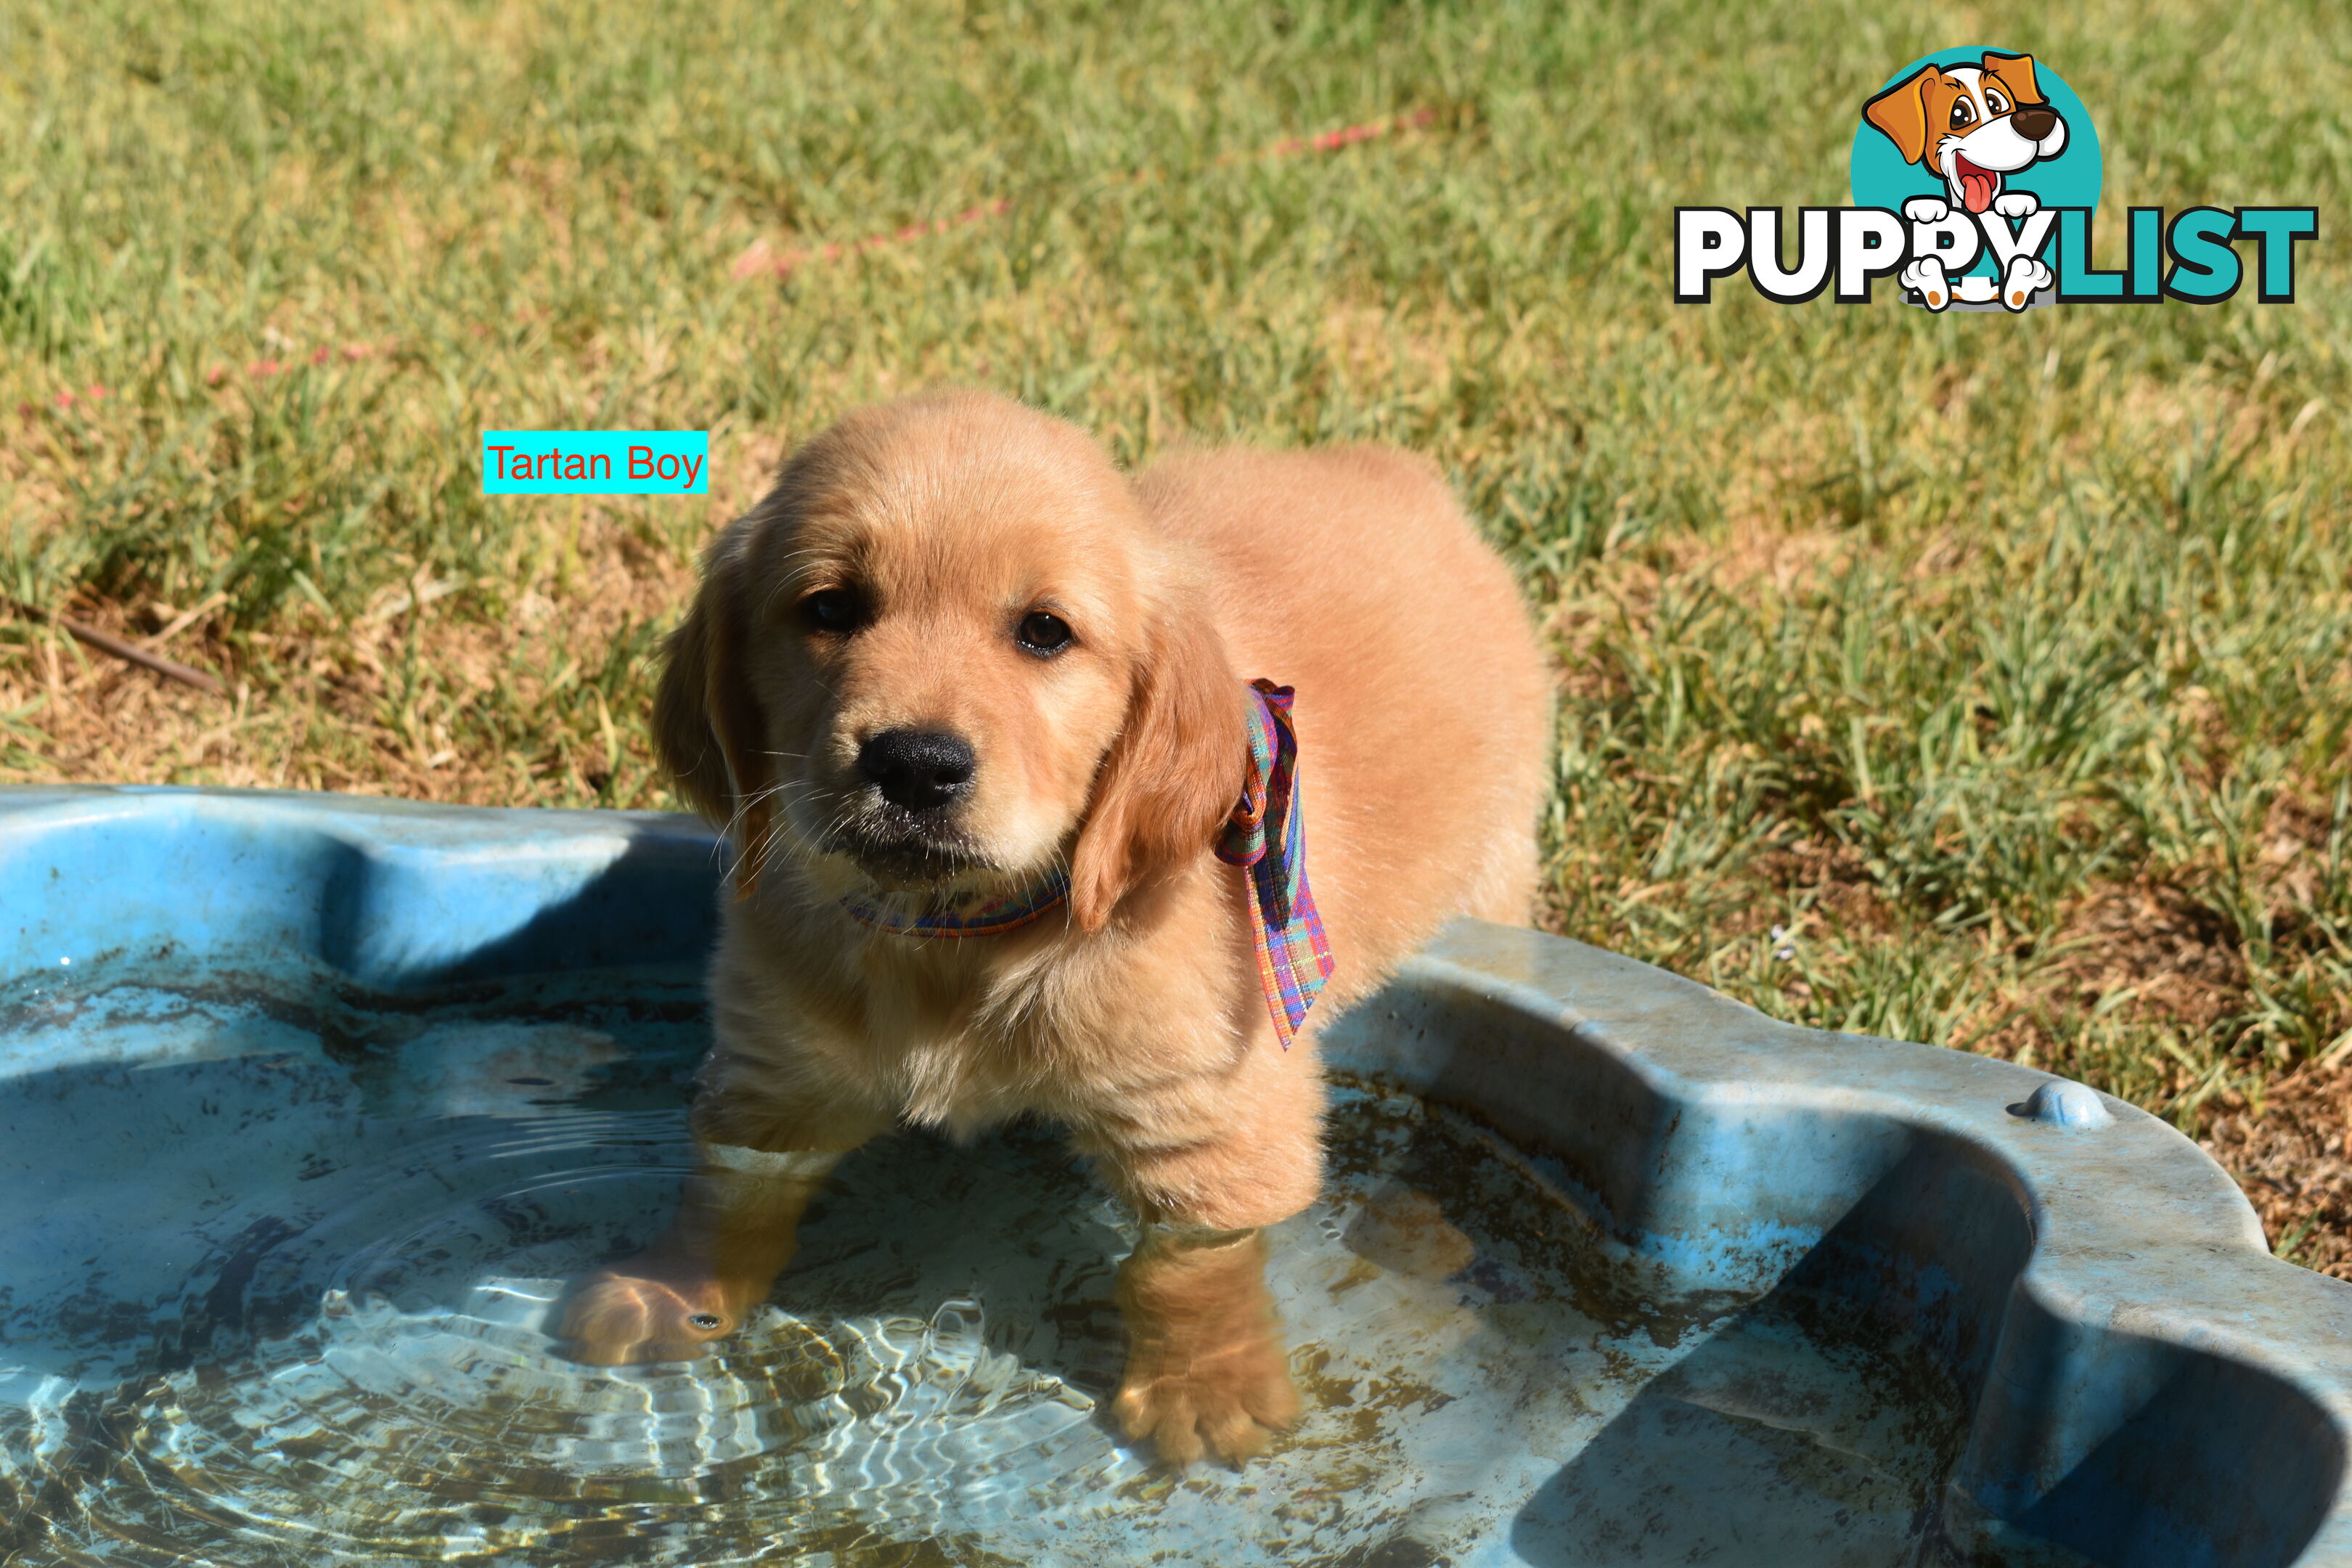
1266,835
993,917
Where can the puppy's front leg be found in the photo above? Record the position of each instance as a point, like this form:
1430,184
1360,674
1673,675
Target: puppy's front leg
1205,1361
737,1226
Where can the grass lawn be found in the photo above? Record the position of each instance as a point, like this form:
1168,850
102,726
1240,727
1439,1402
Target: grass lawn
1972,679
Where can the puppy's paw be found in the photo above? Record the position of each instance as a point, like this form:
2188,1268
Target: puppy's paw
1228,1401
627,1314
2017,203
1926,209
1206,1371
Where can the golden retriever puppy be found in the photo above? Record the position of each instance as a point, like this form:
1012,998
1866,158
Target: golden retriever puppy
977,711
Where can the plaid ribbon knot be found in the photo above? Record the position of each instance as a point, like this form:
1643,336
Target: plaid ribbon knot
1267,835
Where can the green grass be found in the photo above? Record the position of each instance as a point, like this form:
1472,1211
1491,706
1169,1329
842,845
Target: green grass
2003,666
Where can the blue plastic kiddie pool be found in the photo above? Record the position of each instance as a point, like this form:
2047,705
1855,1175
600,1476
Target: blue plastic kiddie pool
309,1105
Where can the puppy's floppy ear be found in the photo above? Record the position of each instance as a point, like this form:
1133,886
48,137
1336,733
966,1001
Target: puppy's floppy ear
706,722
1175,771
1900,111
2014,72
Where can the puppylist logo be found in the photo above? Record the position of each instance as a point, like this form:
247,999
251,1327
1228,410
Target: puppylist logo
1974,173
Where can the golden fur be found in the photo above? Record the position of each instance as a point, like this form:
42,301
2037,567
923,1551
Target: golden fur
1134,1018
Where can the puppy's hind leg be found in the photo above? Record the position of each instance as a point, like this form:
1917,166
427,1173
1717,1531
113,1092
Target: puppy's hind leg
1503,887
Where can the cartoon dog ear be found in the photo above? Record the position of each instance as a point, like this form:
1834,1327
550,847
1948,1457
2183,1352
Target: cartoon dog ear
2015,72
1174,773
1900,111
706,722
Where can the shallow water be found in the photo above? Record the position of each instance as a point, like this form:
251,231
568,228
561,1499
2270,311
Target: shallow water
275,1264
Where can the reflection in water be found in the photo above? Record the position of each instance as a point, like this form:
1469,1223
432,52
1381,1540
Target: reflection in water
273,1280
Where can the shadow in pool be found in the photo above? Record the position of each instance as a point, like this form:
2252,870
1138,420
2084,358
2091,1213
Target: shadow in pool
1818,1424
1011,1223
2221,1467
1839,1420
405,927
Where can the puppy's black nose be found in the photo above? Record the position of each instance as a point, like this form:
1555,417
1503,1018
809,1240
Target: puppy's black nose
921,770
2035,121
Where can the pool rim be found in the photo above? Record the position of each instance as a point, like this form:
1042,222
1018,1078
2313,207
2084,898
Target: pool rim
2134,1228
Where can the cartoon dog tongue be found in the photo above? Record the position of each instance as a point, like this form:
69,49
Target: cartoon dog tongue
1976,186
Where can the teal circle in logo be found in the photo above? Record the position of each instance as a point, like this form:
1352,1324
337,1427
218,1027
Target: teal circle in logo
1886,174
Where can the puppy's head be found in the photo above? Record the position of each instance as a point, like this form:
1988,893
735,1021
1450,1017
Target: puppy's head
946,656
1970,124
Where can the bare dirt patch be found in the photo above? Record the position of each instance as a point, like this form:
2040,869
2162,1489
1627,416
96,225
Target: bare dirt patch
2150,949
2292,1154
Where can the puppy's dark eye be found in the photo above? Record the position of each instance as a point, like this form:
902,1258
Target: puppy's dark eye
1042,634
833,610
1963,111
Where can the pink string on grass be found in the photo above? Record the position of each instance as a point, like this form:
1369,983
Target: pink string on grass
262,369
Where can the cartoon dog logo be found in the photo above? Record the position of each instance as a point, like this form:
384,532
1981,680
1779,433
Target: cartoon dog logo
1974,125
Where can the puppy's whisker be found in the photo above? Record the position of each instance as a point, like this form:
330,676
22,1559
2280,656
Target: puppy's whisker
744,805
779,820
759,854
777,838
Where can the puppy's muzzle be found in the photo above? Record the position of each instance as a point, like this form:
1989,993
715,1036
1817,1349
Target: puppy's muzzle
2034,121
917,770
